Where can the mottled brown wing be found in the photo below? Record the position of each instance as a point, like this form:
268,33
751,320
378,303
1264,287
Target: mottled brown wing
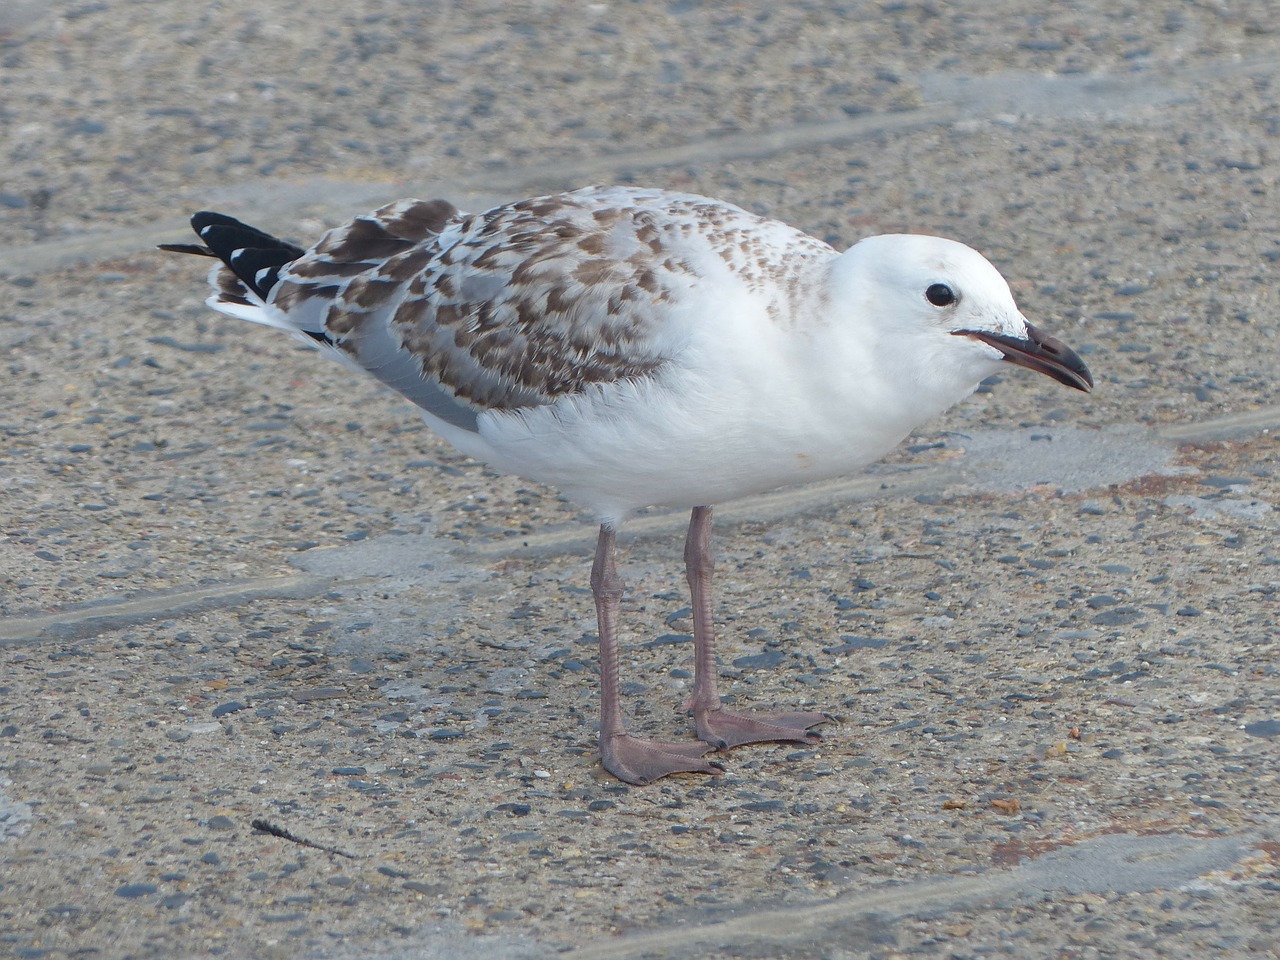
500,310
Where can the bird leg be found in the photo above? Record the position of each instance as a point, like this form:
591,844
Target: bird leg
629,758
718,727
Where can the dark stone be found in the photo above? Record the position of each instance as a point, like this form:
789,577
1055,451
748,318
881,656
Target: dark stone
1263,728
133,890
760,661
1117,617
668,639
83,125
764,806
905,725
1221,482
857,643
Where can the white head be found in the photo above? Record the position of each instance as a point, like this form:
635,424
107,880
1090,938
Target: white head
941,309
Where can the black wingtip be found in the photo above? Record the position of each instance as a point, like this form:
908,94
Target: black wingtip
253,255
207,218
233,235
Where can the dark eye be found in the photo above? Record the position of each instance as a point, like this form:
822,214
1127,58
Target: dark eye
940,295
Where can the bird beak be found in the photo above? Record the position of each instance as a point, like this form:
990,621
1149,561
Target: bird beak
1039,352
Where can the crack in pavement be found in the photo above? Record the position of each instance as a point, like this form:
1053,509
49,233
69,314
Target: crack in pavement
1114,862
1076,459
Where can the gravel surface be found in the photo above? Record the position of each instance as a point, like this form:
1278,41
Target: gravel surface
283,676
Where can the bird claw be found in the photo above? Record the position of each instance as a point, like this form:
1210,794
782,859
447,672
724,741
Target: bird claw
637,761
723,729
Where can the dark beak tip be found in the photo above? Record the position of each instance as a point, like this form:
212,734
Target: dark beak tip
1068,370
1041,353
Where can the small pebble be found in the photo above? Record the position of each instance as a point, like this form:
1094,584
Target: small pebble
133,890
759,661
86,126
857,643
426,889
764,806
1263,728
1116,617
1221,482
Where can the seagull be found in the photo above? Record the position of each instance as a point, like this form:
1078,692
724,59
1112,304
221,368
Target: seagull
638,347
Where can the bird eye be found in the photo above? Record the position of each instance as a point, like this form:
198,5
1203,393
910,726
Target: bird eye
940,295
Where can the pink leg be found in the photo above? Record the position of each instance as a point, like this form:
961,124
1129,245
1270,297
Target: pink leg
626,757
716,726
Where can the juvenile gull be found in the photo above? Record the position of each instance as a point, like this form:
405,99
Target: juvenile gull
639,348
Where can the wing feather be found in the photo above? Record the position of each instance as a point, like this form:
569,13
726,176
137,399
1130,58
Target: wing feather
514,307
506,309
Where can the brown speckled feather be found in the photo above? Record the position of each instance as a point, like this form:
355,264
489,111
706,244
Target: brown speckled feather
520,304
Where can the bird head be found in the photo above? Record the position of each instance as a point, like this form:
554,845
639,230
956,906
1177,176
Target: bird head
947,304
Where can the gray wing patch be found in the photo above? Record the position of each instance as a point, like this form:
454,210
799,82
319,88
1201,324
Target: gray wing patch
378,352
